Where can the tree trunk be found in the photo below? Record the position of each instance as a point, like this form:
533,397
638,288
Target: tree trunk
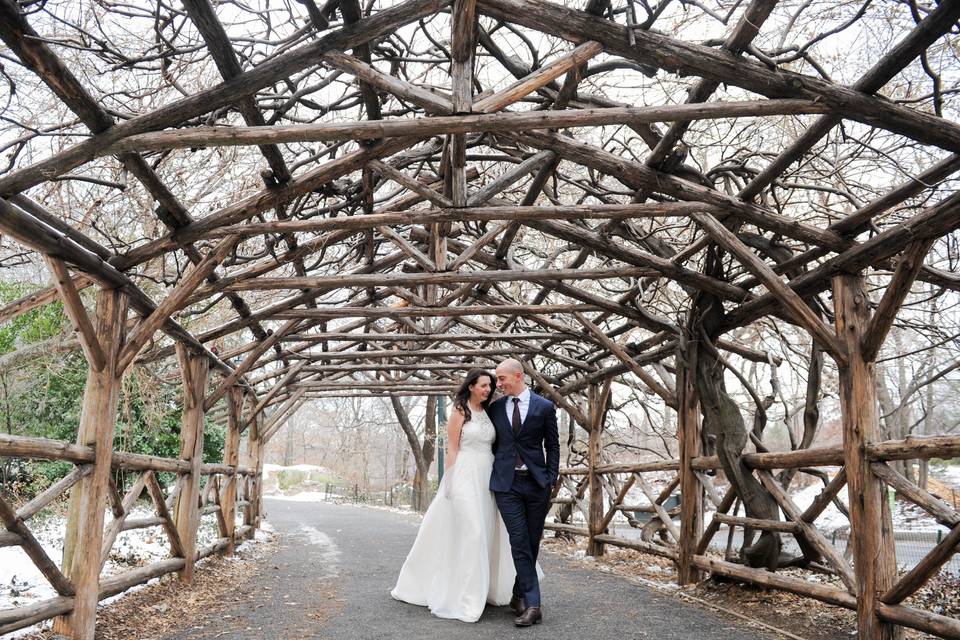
421,487
724,428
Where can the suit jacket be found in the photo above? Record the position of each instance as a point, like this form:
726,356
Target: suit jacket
538,435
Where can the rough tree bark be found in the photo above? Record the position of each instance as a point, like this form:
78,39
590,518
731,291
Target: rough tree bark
423,452
724,428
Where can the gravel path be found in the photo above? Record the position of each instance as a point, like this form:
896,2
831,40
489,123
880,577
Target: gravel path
333,570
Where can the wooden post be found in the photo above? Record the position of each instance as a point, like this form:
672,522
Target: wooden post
874,557
84,534
255,450
231,456
597,399
193,369
691,492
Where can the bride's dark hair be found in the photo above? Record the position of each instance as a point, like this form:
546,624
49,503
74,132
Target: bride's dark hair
462,396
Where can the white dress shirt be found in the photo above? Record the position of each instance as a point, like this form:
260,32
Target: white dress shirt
524,407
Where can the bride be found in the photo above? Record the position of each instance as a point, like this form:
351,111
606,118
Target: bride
461,558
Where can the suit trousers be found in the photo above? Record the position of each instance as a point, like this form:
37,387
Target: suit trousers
524,510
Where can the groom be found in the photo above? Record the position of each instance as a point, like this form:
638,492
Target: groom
523,478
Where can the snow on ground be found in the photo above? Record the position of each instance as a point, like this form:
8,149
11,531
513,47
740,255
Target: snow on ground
277,478
317,496
948,473
305,496
831,518
22,584
307,468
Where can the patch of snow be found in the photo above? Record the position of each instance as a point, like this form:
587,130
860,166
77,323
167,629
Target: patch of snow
309,468
948,473
327,568
304,496
831,518
22,584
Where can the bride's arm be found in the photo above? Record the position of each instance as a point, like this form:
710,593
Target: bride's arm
454,426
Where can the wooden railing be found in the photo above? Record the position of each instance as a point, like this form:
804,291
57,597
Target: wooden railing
228,488
662,536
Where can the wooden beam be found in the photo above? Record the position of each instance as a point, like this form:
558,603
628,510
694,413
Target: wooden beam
175,300
413,184
503,181
558,398
447,277
404,245
38,299
226,93
429,101
667,396
637,175
477,245
186,509
269,396
747,28
539,78
269,198
652,48
414,337
84,531
799,309
420,353
231,458
908,267
34,550
33,233
921,573
597,399
874,557
220,136
627,253
932,222
366,394
689,439
426,387
467,214
255,443
169,527
248,363
937,22
218,44
272,425
73,306
463,26
408,312
122,510
809,531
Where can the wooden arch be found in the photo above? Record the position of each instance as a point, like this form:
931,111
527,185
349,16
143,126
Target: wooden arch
466,198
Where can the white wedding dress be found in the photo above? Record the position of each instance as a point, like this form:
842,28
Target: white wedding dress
461,558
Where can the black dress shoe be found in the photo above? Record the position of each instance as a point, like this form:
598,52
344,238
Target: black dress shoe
529,617
517,604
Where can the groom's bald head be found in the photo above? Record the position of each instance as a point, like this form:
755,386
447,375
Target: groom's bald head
510,365
510,377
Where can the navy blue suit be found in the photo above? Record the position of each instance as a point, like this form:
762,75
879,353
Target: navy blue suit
524,498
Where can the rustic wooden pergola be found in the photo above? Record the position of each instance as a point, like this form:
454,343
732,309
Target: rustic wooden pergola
432,202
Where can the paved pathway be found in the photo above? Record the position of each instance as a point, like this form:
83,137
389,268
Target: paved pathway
331,576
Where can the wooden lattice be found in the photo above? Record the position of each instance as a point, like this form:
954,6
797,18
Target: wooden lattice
479,189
